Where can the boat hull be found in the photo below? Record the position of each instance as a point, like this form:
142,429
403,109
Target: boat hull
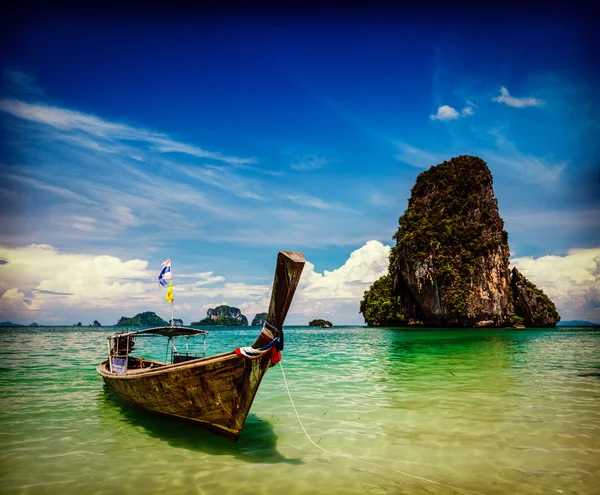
216,393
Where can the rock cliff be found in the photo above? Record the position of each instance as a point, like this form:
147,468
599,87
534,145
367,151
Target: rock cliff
259,319
450,263
223,316
531,303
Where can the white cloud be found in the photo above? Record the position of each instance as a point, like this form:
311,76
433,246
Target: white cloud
512,101
467,111
316,203
43,186
445,112
309,162
43,284
62,282
416,156
64,119
572,281
336,295
225,179
532,169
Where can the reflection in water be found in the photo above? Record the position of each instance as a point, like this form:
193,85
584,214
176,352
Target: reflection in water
257,443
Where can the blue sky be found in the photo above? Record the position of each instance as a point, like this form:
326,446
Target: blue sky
217,143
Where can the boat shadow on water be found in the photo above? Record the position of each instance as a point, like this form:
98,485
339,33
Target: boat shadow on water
257,443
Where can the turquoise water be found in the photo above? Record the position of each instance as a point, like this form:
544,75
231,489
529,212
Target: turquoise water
503,411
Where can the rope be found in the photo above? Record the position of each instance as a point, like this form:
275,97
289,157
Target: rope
360,460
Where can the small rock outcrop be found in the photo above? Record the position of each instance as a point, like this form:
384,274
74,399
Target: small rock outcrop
223,316
146,319
96,324
531,303
450,266
176,322
259,319
320,323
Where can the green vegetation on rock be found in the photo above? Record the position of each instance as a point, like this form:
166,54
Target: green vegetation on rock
517,320
223,316
259,319
147,319
320,323
380,306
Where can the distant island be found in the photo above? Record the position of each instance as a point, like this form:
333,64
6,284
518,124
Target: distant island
223,315
320,323
11,324
577,323
259,319
450,265
176,322
147,319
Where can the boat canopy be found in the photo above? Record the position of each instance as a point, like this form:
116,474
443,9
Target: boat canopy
166,332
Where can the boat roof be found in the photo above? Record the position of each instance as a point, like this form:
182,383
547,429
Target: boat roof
167,331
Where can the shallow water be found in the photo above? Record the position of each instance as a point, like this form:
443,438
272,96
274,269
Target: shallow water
503,411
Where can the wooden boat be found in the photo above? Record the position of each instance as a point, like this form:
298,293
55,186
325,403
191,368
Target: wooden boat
214,392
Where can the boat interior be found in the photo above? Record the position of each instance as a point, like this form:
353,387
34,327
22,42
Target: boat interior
122,344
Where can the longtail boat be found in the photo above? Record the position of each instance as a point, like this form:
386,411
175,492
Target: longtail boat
214,392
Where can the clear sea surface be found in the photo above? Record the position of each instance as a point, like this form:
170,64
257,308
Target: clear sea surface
473,411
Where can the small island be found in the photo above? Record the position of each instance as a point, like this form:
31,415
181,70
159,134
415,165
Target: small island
225,316
259,319
320,323
147,319
176,322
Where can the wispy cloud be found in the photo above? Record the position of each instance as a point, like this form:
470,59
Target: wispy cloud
43,186
417,157
530,168
20,82
309,162
225,179
65,119
316,203
513,101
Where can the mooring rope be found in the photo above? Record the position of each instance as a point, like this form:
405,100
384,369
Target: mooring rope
355,458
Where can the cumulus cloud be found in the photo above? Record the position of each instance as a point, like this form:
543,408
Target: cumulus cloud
41,283
336,294
446,112
60,282
512,101
571,281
